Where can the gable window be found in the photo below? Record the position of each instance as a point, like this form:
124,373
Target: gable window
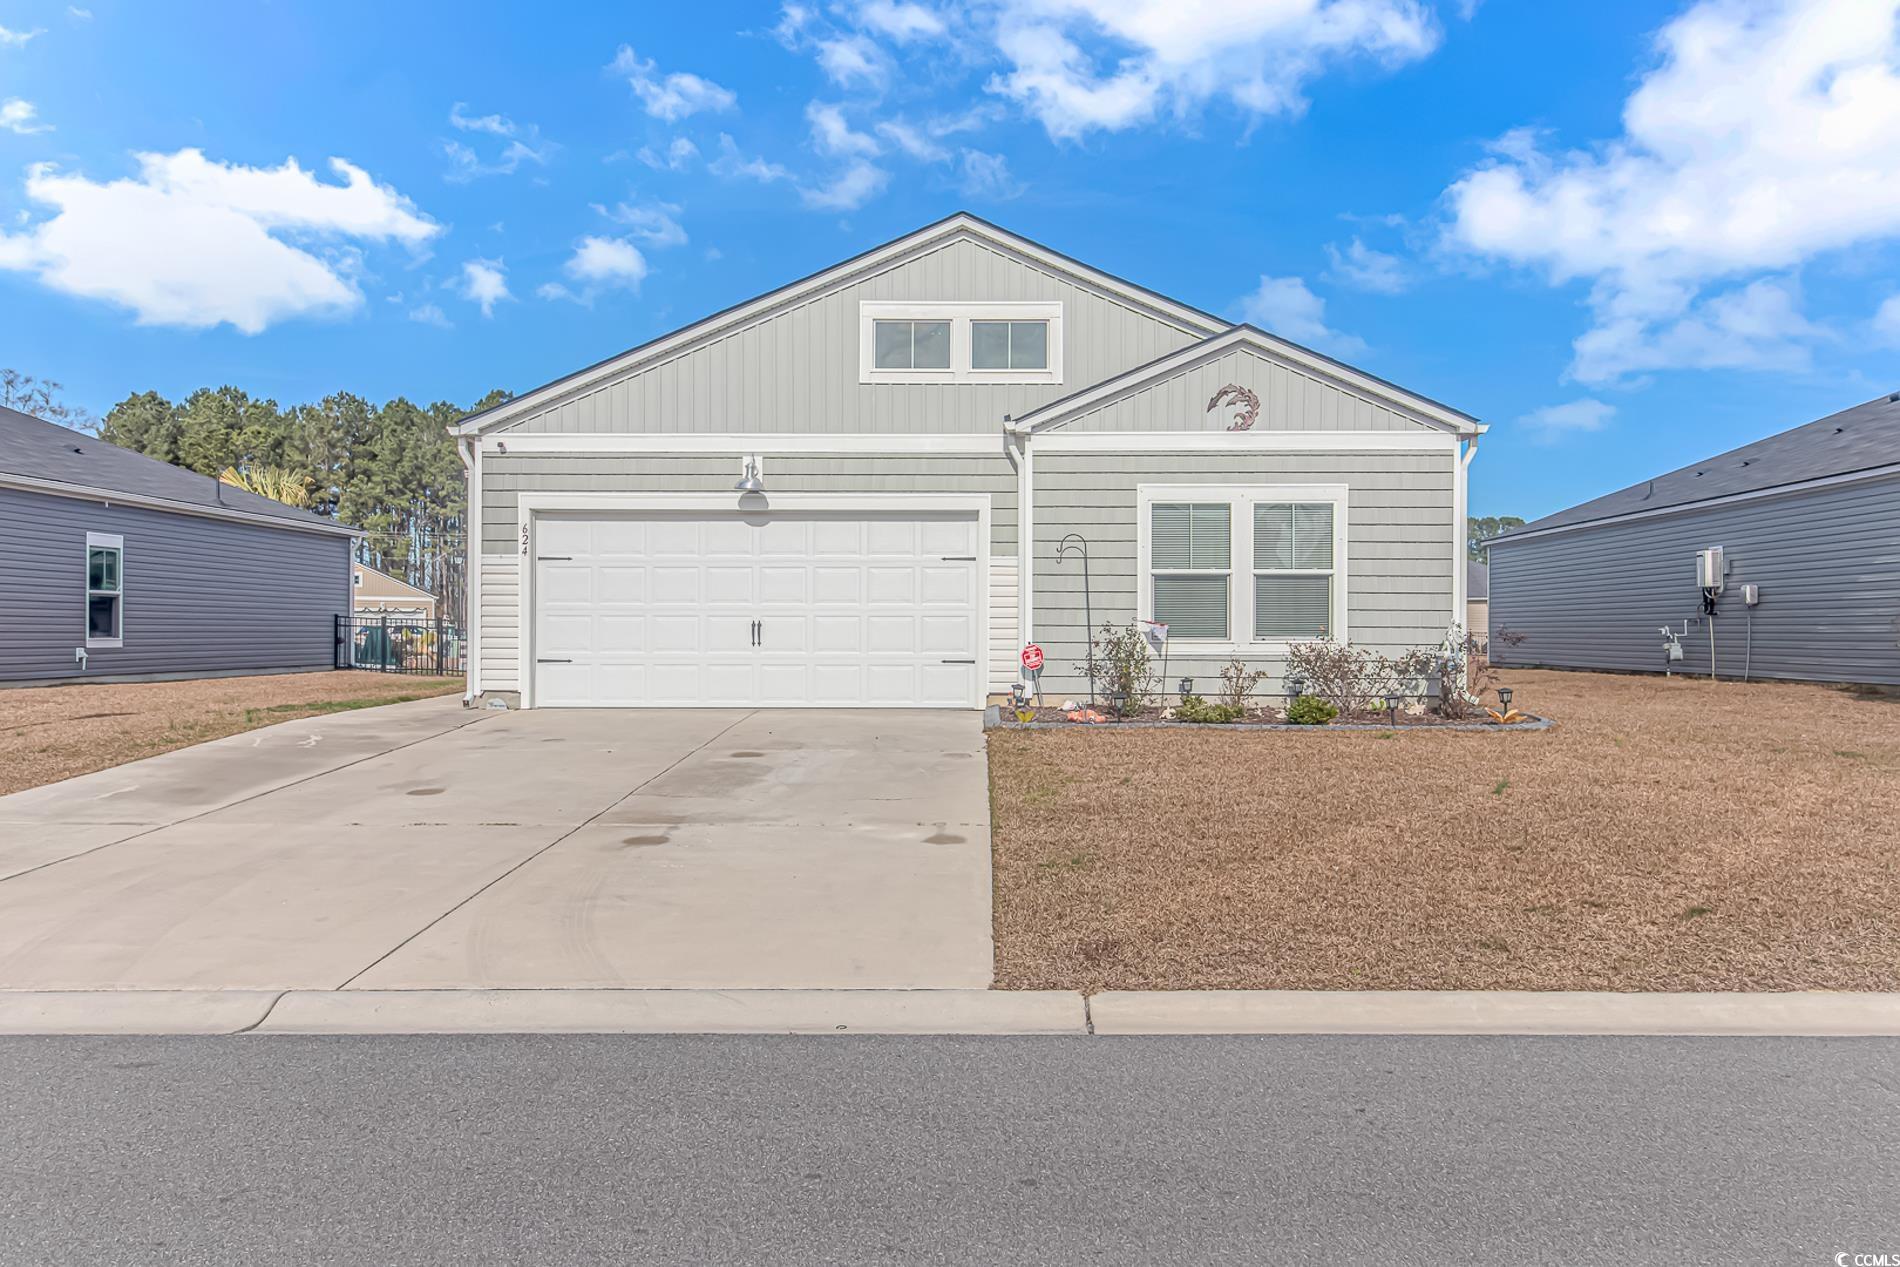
1244,566
1000,341
105,589
913,345
1009,345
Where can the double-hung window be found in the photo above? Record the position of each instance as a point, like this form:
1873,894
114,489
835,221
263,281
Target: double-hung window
105,590
1233,568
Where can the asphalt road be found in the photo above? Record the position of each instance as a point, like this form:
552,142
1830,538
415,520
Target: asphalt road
1064,1150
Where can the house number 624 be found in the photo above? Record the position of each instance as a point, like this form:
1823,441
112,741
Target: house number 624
524,538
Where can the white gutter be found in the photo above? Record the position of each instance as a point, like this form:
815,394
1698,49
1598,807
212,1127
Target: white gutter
468,449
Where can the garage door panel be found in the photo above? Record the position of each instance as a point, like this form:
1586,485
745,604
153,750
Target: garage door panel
792,610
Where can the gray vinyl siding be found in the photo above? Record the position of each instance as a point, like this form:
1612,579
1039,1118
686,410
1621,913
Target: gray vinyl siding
506,477
796,370
1827,561
202,596
1289,401
1400,546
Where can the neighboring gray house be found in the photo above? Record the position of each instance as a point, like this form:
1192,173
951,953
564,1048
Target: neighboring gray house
1807,584
851,491
115,566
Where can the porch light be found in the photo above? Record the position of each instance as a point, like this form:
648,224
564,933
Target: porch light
749,482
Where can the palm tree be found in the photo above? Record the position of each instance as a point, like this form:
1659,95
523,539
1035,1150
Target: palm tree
274,482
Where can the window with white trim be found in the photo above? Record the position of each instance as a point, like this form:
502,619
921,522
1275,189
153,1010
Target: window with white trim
1233,568
1001,341
105,590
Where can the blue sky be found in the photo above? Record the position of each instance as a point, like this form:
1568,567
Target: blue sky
1627,235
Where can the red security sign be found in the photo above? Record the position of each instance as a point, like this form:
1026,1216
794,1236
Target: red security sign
1032,657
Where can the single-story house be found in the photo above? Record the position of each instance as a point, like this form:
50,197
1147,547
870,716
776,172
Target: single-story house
874,486
375,592
117,567
1780,559
1478,601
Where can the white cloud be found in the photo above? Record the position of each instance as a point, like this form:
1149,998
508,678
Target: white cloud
732,163
901,20
192,242
1887,322
850,189
484,282
1284,306
850,60
1083,65
1553,422
1768,134
656,225
671,97
986,176
911,141
524,145
1363,268
599,264
14,39
79,14
678,154
831,134
22,117
430,315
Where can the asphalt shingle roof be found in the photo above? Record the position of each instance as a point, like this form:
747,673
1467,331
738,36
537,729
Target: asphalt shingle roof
36,449
1857,439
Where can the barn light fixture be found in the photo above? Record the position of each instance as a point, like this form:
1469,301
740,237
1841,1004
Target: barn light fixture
749,481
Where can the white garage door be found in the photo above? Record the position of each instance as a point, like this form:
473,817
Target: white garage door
782,610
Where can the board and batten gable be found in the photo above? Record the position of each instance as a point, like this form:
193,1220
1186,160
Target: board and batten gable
202,596
1597,596
795,370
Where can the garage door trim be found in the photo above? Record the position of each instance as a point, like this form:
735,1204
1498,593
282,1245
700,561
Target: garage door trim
532,504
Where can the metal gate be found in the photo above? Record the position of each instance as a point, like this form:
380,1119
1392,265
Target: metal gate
385,645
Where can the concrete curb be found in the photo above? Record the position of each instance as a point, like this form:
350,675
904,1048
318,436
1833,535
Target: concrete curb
1812,1013
608,1011
133,1011
677,1012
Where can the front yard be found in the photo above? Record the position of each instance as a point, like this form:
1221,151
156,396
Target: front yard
1666,835
56,732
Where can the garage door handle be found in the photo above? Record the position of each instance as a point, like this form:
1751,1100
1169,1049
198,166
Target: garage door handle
959,661
538,660
555,558
959,558
755,633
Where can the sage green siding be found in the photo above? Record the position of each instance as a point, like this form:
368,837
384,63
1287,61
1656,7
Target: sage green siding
1289,401
1401,546
796,369
506,477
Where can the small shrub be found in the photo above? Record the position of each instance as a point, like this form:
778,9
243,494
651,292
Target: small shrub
1123,668
1195,709
1237,682
1355,680
1310,710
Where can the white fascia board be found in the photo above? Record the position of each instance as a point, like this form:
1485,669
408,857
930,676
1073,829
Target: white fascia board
517,443
1427,413
734,503
870,263
82,492
1756,494
1433,442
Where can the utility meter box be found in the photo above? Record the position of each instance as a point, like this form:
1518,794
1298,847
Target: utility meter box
1709,569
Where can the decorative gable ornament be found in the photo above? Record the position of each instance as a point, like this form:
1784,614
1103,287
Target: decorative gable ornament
1244,397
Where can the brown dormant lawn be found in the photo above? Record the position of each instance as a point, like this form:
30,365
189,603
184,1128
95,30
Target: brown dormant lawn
55,732
1665,835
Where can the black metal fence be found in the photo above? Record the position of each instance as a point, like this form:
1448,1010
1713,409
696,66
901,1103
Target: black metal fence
389,645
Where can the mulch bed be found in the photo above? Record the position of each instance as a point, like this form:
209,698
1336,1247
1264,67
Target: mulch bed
1670,834
48,733
1155,716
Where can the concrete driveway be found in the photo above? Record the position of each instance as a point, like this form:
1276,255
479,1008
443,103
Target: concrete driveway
423,845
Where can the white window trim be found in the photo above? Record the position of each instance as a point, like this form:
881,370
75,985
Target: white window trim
959,315
103,541
1240,499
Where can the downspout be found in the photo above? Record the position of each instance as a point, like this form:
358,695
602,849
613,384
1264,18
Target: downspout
1460,572
1025,540
468,448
